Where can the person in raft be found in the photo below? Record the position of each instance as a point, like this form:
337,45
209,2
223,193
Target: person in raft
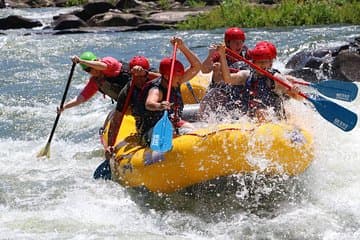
140,75
107,75
220,94
153,100
261,93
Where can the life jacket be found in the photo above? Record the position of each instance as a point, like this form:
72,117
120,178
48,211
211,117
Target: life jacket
234,66
134,104
259,94
235,98
150,118
111,86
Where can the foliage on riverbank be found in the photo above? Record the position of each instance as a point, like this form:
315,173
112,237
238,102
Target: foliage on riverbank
286,13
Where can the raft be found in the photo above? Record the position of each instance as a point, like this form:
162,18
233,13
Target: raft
195,89
209,153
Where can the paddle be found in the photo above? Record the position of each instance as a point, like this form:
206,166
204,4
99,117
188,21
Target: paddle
188,85
161,140
345,91
340,90
104,170
46,150
339,116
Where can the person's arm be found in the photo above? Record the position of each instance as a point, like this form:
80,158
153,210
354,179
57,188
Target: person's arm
89,90
153,75
207,64
194,61
294,80
153,101
72,103
217,74
97,65
237,78
293,93
138,71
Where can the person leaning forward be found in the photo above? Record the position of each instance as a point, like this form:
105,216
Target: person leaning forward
107,75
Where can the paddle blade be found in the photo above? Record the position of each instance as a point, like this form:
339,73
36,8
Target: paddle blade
339,116
345,91
103,171
44,152
161,140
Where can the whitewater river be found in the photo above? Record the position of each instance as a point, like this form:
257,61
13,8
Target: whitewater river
57,198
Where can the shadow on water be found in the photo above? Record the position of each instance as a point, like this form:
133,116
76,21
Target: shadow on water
221,198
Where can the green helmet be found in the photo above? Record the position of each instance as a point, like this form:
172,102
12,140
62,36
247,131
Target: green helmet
88,56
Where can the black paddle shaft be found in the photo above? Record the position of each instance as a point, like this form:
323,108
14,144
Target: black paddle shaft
62,102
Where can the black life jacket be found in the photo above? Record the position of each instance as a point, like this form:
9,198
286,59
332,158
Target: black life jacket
150,118
111,86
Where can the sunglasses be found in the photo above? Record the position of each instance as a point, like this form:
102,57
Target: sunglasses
88,69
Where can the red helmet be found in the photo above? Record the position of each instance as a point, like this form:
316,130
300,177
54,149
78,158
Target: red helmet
261,52
270,45
234,33
139,61
165,67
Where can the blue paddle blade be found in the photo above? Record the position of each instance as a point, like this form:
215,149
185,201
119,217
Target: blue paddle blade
339,116
161,140
341,90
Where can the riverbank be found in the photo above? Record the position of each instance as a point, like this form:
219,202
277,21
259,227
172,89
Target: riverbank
131,15
246,14
100,16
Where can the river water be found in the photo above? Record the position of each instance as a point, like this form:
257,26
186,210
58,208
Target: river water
57,198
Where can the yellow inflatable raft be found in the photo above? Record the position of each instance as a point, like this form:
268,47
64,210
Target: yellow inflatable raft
209,153
194,90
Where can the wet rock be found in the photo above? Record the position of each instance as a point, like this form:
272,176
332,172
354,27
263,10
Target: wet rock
91,9
347,65
115,19
68,21
172,17
15,22
17,4
337,63
307,74
151,26
29,3
60,3
125,4
133,14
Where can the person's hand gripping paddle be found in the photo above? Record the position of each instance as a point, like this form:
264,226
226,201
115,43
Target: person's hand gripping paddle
161,140
337,115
